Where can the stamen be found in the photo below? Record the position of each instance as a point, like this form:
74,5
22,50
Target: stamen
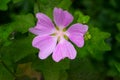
60,33
57,28
65,37
64,30
54,34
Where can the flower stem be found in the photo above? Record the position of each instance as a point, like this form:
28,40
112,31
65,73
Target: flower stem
38,4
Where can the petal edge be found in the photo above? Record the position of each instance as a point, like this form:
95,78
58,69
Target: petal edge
64,49
62,18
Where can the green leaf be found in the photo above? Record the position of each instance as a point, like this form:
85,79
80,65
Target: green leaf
112,72
22,23
96,45
36,8
16,51
16,1
118,26
65,4
118,35
98,39
81,18
117,65
114,68
50,69
47,6
6,31
5,74
19,49
3,4
83,69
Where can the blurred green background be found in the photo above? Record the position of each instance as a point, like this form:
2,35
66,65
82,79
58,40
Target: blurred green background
99,59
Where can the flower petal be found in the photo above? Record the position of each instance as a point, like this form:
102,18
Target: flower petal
46,44
35,31
62,18
76,34
62,50
41,32
44,21
44,25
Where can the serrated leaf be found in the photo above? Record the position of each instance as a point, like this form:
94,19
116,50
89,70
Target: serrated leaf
98,39
3,4
81,18
96,45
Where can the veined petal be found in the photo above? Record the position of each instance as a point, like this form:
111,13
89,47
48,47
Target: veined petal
64,49
79,28
46,44
62,18
76,34
34,31
41,32
44,25
44,21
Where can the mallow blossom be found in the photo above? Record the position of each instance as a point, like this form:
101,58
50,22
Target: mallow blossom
53,38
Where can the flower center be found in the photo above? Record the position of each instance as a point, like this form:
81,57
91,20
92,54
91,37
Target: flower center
60,33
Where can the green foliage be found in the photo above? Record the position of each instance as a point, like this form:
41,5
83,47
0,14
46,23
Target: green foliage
91,46
5,74
92,40
16,1
52,70
22,23
114,68
81,18
99,59
118,25
3,4
83,69
65,4
18,45
118,35
6,31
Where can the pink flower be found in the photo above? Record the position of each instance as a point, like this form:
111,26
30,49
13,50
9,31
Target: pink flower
53,39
